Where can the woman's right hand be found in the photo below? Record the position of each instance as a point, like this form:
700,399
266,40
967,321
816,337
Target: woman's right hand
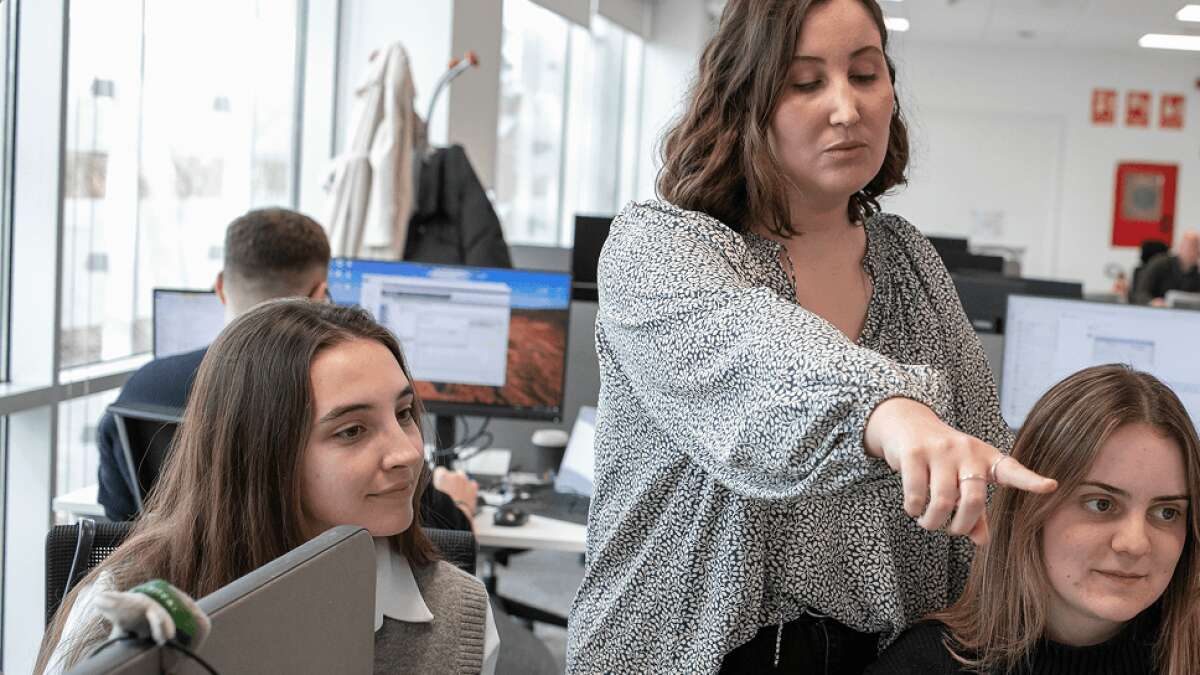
943,470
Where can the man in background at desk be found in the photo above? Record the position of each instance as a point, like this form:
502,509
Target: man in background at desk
1168,272
269,253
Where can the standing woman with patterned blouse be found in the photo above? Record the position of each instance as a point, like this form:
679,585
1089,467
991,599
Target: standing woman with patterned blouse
787,376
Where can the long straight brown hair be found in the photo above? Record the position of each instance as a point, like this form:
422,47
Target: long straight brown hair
1001,615
229,498
718,159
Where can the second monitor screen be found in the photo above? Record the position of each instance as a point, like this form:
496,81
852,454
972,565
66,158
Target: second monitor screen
477,340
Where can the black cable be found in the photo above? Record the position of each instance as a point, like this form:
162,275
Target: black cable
173,644
111,641
468,439
178,646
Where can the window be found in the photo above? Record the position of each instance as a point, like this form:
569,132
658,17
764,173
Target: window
163,148
569,104
78,458
532,102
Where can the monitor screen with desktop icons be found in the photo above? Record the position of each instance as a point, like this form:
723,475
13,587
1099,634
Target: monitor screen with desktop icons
479,341
1048,339
185,320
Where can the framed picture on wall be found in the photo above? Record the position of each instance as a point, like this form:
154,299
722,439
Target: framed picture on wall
1144,203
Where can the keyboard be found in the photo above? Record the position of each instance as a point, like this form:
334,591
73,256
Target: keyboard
572,508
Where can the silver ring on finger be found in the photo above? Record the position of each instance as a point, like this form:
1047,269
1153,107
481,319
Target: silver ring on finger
973,476
996,463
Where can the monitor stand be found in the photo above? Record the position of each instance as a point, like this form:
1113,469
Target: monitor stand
444,432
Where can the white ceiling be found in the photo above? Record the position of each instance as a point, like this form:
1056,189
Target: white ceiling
1104,24
1108,24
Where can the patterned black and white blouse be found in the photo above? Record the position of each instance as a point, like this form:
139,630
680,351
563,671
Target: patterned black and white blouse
732,490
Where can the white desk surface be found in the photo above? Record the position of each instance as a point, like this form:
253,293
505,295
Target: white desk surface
81,502
546,534
539,532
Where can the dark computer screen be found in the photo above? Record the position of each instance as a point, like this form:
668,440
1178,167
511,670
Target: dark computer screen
985,296
590,233
478,340
965,261
942,244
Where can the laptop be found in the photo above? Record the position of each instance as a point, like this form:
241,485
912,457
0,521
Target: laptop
1182,300
571,497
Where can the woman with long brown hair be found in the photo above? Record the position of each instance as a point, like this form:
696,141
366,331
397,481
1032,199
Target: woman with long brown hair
787,376
302,417
1101,577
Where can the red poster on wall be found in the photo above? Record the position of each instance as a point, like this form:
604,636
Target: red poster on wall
1104,106
1145,203
1137,109
1170,114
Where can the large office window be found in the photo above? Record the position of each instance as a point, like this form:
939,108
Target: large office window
180,116
569,103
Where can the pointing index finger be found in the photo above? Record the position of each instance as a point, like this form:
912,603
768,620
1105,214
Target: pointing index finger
1011,473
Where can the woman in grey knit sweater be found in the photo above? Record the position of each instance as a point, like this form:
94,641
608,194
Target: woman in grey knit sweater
787,376
302,417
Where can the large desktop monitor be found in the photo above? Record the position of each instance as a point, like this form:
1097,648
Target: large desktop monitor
1049,339
479,340
311,610
590,233
185,320
985,296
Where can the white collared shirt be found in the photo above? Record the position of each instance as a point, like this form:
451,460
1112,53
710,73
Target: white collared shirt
398,597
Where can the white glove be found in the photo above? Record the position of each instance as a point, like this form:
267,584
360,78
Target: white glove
156,610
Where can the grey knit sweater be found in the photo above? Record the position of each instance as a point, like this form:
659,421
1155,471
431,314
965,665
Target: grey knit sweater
453,642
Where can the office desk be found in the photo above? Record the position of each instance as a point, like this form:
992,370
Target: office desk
81,502
544,534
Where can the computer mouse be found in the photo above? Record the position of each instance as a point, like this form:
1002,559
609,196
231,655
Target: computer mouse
510,516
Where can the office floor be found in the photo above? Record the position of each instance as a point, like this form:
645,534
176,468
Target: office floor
548,580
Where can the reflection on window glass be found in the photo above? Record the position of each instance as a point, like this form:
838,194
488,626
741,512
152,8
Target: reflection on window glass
569,104
179,118
532,92
78,459
5,198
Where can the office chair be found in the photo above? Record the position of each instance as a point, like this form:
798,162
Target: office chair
457,547
146,432
72,551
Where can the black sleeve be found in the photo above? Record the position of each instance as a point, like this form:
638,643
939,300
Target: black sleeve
439,511
1152,282
114,494
918,651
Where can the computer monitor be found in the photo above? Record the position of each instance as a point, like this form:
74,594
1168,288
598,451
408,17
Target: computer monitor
479,340
311,610
185,320
590,233
985,296
943,244
1182,300
1049,339
577,472
965,261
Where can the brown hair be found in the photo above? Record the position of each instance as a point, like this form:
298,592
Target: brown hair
718,158
1002,613
229,498
272,253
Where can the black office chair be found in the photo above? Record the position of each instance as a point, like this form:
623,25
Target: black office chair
72,551
457,547
146,432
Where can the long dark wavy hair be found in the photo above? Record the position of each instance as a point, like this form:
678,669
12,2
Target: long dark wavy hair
229,497
718,159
